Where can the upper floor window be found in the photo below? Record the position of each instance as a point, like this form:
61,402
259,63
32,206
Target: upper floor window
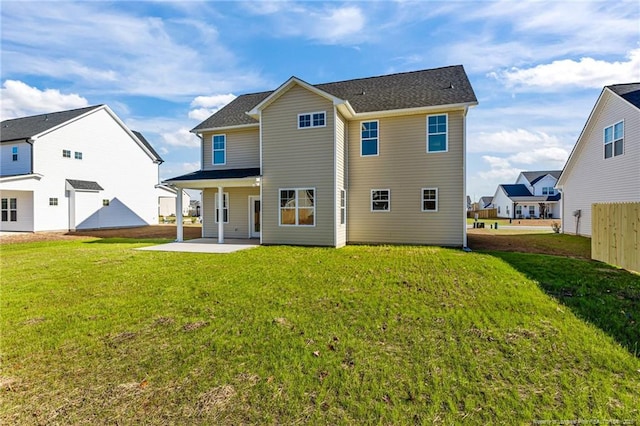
429,199
369,138
298,207
66,153
225,208
311,119
77,155
14,153
437,135
219,149
380,200
614,140
548,190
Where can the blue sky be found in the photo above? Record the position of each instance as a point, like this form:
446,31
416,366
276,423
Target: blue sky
537,67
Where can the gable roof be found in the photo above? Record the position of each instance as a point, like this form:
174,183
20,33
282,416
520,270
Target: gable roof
27,127
485,201
148,145
535,176
516,190
416,89
84,185
630,92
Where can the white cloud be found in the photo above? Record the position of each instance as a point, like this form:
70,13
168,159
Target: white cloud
510,141
587,72
181,137
190,167
20,99
205,106
555,156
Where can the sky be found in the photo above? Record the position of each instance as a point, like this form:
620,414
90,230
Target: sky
537,67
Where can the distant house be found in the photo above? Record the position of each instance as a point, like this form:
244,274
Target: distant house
371,160
76,169
532,196
604,165
485,202
167,201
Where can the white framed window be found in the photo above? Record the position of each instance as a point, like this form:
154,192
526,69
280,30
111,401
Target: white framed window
312,119
105,202
225,207
532,211
518,211
9,209
53,201
614,140
343,207
14,153
429,199
437,133
548,190
77,155
66,153
369,138
219,144
380,200
297,206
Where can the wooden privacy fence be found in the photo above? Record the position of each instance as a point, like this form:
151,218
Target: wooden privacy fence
483,214
615,234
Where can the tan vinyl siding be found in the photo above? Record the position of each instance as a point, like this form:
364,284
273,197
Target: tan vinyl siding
298,158
341,230
404,167
590,178
238,226
243,149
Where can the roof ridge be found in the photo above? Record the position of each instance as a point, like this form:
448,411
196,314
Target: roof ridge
386,75
52,113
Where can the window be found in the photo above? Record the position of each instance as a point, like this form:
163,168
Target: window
66,153
77,155
297,207
518,211
437,133
311,119
225,207
219,149
369,138
343,207
380,200
14,153
532,211
614,140
53,201
105,202
9,210
429,199
548,190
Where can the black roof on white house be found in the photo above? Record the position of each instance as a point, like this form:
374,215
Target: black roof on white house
26,127
630,92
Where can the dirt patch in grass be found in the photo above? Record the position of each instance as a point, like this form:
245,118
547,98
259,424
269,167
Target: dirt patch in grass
551,244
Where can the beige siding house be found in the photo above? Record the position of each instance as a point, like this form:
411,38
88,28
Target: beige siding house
372,160
604,165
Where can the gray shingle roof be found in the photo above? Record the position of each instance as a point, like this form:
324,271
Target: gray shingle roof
26,127
148,145
432,87
218,174
535,176
629,92
86,185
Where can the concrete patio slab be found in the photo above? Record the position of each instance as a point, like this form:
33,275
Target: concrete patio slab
205,245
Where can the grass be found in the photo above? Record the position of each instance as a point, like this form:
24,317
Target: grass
100,333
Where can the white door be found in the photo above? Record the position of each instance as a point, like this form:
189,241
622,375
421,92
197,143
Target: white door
254,217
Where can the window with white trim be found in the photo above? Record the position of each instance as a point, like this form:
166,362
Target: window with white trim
437,134
312,119
297,207
225,207
614,140
369,138
518,211
66,153
219,144
380,200
429,199
343,207
9,209
77,155
14,153
53,201
532,211
548,190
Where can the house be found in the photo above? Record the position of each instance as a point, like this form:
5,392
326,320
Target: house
76,169
604,165
370,160
167,201
485,202
532,196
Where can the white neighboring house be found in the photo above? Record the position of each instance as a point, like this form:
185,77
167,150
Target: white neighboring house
532,196
76,169
167,201
604,165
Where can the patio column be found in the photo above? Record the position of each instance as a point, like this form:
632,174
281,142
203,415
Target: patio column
179,230
220,214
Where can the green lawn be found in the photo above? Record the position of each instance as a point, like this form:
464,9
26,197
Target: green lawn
95,332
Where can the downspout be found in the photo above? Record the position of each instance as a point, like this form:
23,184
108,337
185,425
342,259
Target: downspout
30,142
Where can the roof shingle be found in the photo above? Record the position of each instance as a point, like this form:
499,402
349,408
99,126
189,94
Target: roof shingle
27,127
629,92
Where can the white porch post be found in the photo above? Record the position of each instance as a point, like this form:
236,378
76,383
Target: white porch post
179,230
220,214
